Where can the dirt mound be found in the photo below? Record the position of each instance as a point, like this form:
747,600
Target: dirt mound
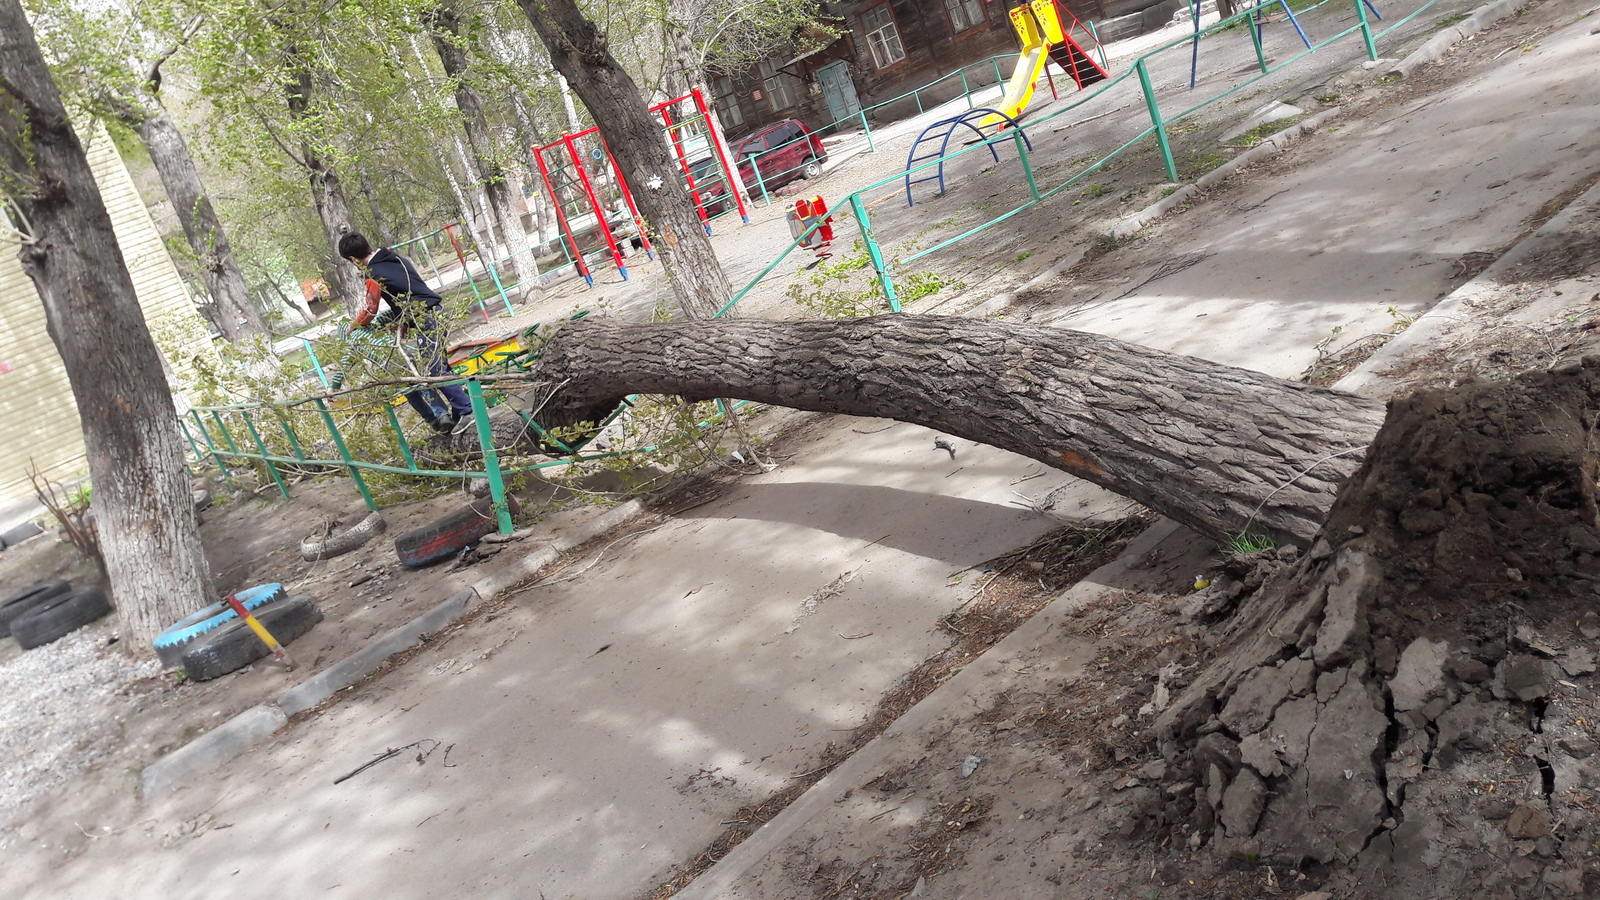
1417,694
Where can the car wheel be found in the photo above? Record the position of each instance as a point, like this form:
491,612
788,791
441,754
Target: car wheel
812,169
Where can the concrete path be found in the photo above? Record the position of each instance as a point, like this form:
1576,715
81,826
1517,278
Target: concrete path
600,729
1380,219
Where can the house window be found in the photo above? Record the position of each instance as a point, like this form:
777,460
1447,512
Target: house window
777,84
727,102
883,39
964,14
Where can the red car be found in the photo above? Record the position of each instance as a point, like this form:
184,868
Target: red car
782,152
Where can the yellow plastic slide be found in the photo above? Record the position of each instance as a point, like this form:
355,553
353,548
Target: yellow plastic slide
1027,20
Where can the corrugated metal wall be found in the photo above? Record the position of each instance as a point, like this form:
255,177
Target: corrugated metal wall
38,419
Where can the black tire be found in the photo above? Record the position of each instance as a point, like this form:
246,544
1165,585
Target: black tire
19,534
59,617
235,645
20,604
443,539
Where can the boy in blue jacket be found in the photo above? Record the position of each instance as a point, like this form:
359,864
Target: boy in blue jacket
394,280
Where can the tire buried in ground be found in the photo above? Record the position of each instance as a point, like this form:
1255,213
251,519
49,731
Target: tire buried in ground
444,538
235,645
315,548
170,644
21,603
59,617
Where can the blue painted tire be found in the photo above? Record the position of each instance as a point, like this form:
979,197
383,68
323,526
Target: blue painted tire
170,644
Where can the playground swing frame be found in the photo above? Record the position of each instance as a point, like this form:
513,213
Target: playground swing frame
563,155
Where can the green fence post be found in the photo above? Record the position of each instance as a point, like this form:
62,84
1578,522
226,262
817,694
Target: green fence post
872,146
1099,46
400,437
288,432
217,417
344,454
495,277
966,89
1255,38
262,446
884,280
491,457
211,446
917,96
316,363
760,182
1027,167
184,427
998,78
1155,116
1366,31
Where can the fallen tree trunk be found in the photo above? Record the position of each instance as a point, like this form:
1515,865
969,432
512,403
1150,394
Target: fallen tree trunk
1220,449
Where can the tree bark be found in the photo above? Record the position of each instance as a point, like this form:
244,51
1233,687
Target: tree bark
448,39
579,52
169,152
380,222
327,194
145,515
1220,449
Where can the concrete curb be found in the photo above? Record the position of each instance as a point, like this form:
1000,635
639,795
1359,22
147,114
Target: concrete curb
1272,145
255,725
720,878
1367,377
1440,44
210,750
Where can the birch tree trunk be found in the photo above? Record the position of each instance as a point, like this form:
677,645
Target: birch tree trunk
380,221
448,40
1220,449
579,52
145,515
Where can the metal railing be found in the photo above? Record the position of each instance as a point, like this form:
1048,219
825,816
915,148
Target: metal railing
1137,73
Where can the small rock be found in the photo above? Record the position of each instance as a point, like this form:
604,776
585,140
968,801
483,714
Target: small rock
1525,678
1315,895
1091,803
1195,840
1153,771
1469,670
1577,747
1242,804
1529,823
921,886
1578,662
1420,675
1513,573
1122,784
1589,625
1529,638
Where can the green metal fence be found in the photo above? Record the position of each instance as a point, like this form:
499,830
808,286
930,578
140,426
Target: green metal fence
1137,74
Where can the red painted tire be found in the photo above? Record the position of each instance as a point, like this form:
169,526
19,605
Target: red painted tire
444,538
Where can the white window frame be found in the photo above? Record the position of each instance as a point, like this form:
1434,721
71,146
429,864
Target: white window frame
775,83
726,102
883,38
965,15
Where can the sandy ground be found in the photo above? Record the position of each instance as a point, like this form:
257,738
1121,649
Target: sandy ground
600,731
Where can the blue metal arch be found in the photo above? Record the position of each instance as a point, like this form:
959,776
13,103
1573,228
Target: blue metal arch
949,126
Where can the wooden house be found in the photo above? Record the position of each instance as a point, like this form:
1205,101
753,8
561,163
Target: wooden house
892,47
38,418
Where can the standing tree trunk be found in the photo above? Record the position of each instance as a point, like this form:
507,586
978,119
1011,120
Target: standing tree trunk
236,316
145,515
445,26
380,222
327,193
1220,449
579,52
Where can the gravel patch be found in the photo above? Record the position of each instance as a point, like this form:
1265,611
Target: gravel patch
64,704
